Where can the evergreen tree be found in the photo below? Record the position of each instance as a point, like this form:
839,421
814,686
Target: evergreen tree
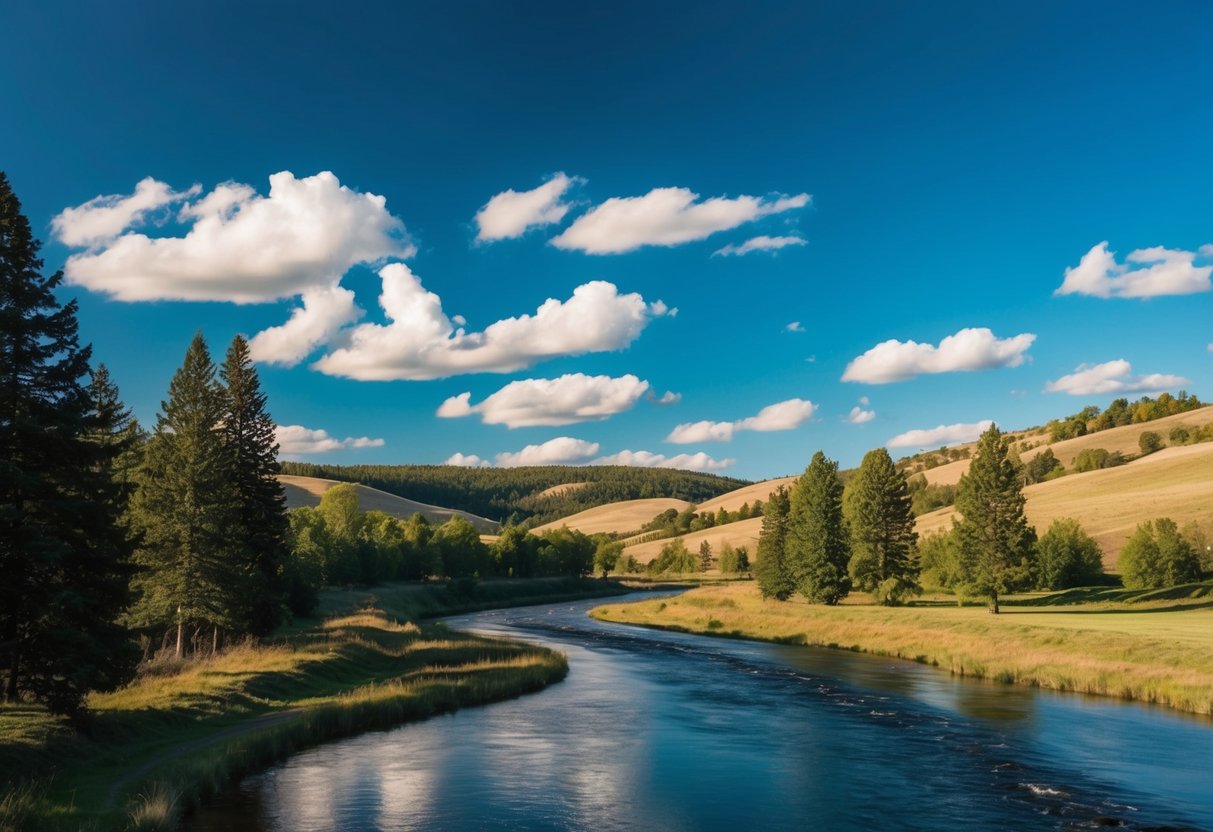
262,527
118,433
771,569
185,509
996,544
705,556
817,546
63,554
878,510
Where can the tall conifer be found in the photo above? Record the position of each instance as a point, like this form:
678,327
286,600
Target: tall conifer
881,523
771,569
818,549
262,530
63,556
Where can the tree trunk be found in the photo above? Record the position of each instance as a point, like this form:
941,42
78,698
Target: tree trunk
994,607
10,687
180,633
215,641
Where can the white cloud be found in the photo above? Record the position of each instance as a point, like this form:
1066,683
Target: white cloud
1146,273
563,450
794,326
296,440
669,397
421,343
864,400
103,218
1209,347
1112,377
566,400
939,436
645,459
858,416
761,243
511,213
467,461
665,217
786,415
968,349
323,313
241,247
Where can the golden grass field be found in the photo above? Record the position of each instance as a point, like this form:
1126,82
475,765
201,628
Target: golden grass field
1153,651
747,494
624,516
1175,483
1124,439
742,533
306,491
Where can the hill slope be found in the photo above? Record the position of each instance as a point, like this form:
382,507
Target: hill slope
306,491
626,516
1175,483
735,499
742,533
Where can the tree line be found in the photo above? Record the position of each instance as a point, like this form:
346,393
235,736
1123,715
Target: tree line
516,496
1119,413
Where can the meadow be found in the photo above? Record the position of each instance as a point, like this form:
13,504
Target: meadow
1150,646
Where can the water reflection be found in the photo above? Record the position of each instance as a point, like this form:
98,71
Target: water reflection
669,731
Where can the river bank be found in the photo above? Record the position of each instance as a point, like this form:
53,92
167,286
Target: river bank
182,730
1155,650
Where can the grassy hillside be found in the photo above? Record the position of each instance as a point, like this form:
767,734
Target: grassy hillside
1175,483
735,499
742,533
626,516
306,491
528,493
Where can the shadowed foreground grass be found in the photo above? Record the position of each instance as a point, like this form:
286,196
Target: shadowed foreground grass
181,731
1152,647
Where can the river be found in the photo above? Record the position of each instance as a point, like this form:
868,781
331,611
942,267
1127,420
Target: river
668,731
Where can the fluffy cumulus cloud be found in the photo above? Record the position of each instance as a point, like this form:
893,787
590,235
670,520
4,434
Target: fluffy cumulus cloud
103,218
421,342
240,246
1113,378
665,217
467,461
1145,273
566,400
323,313
563,450
859,416
669,397
511,213
786,415
761,243
939,436
967,350
296,440
687,462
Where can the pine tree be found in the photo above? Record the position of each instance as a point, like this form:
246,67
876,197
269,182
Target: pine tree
117,431
996,543
817,545
63,555
771,569
881,521
185,509
262,529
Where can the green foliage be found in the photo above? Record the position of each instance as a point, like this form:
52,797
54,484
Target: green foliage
1149,442
64,555
1156,556
1120,413
1042,467
939,561
877,507
463,553
1195,534
1067,557
705,556
818,549
566,551
500,493
607,555
1094,459
772,569
996,543
925,497
674,557
734,561
674,523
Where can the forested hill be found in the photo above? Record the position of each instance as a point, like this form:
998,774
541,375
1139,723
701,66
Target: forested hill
517,494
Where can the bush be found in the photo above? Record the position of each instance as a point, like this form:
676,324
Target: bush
1149,442
1067,557
1157,556
1093,459
939,561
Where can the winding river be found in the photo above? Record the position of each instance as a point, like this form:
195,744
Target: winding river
667,731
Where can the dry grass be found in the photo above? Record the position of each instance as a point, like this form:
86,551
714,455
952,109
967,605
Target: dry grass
748,494
624,516
742,533
1154,652
307,491
1175,483
563,489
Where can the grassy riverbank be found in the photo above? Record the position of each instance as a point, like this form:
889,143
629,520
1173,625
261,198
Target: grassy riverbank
182,731
1153,647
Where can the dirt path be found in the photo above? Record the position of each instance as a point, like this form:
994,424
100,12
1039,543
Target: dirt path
235,731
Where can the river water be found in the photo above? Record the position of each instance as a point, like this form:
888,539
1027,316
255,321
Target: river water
668,731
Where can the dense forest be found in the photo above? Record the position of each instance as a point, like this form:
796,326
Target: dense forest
516,496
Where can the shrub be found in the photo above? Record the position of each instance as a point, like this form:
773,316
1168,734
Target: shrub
1156,556
1066,557
1149,442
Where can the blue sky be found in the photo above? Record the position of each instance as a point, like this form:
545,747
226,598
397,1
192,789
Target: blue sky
933,170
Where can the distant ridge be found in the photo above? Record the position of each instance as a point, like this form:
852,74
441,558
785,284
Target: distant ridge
307,491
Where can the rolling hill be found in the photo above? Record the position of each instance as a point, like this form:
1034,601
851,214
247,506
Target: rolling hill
748,494
742,533
625,516
306,491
